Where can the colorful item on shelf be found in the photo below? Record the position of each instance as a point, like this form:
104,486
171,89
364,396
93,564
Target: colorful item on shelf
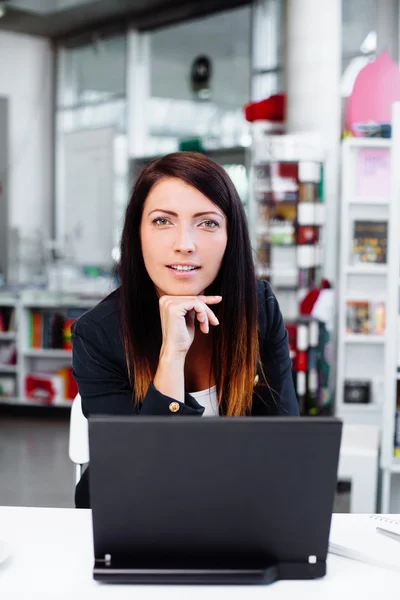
372,173
364,317
357,392
8,353
7,387
70,387
396,441
67,334
307,234
42,388
396,450
277,182
308,192
362,107
369,242
7,319
51,329
308,339
307,304
357,317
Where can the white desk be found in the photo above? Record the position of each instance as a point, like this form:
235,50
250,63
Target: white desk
52,559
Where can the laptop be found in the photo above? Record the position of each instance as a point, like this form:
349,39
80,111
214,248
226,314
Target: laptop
211,500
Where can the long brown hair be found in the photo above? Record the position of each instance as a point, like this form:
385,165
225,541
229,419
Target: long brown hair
235,340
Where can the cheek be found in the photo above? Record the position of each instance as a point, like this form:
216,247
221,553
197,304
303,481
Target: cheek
147,244
216,250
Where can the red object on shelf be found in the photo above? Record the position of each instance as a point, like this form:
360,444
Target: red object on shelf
271,109
307,304
42,388
301,361
307,234
291,329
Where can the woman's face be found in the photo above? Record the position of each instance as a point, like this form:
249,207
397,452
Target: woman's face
183,236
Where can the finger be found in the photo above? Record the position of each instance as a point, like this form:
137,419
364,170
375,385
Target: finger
208,316
202,317
210,299
211,317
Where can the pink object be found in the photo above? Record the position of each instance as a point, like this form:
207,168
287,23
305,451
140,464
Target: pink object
373,172
376,87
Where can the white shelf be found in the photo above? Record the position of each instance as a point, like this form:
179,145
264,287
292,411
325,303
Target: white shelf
363,142
8,368
370,201
7,300
9,400
59,403
44,353
359,338
7,335
367,270
395,466
359,408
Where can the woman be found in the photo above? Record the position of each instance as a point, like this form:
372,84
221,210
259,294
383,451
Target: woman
190,331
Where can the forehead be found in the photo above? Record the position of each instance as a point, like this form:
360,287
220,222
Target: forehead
174,194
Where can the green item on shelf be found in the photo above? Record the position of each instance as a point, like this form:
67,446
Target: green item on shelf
191,145
321,185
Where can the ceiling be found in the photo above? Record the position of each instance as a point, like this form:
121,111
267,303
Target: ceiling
65,18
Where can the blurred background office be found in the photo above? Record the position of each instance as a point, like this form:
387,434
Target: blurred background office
297,100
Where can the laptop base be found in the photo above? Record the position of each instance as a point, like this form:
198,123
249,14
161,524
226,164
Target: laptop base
207,576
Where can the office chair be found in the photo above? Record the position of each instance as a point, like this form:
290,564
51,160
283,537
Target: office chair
78,438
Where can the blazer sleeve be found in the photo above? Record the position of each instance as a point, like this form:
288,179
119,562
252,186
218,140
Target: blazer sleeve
277,363
105,389
103,382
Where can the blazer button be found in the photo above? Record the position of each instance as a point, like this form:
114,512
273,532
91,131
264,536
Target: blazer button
174,407
256,379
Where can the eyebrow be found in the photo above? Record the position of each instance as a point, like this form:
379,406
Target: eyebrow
174,214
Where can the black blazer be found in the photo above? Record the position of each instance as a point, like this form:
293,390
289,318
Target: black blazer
99,367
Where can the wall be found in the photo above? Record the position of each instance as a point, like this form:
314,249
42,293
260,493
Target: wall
26,79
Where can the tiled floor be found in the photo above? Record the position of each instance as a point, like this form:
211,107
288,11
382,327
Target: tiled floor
34,466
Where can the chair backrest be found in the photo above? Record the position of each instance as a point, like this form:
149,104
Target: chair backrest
78,434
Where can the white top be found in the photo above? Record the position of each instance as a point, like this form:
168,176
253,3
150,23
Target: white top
51,557
208,399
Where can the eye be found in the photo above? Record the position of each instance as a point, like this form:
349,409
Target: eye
160,221
211,224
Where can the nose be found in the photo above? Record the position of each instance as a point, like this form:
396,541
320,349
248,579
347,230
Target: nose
184,242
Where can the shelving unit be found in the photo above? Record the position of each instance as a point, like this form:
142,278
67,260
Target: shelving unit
36,359
287,220
361,356
8,348
370,196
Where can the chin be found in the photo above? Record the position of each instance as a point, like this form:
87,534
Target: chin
182,288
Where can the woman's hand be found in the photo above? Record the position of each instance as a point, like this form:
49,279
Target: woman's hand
178,317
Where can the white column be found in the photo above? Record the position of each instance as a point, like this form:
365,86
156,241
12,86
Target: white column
312,73
387,27
138,91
